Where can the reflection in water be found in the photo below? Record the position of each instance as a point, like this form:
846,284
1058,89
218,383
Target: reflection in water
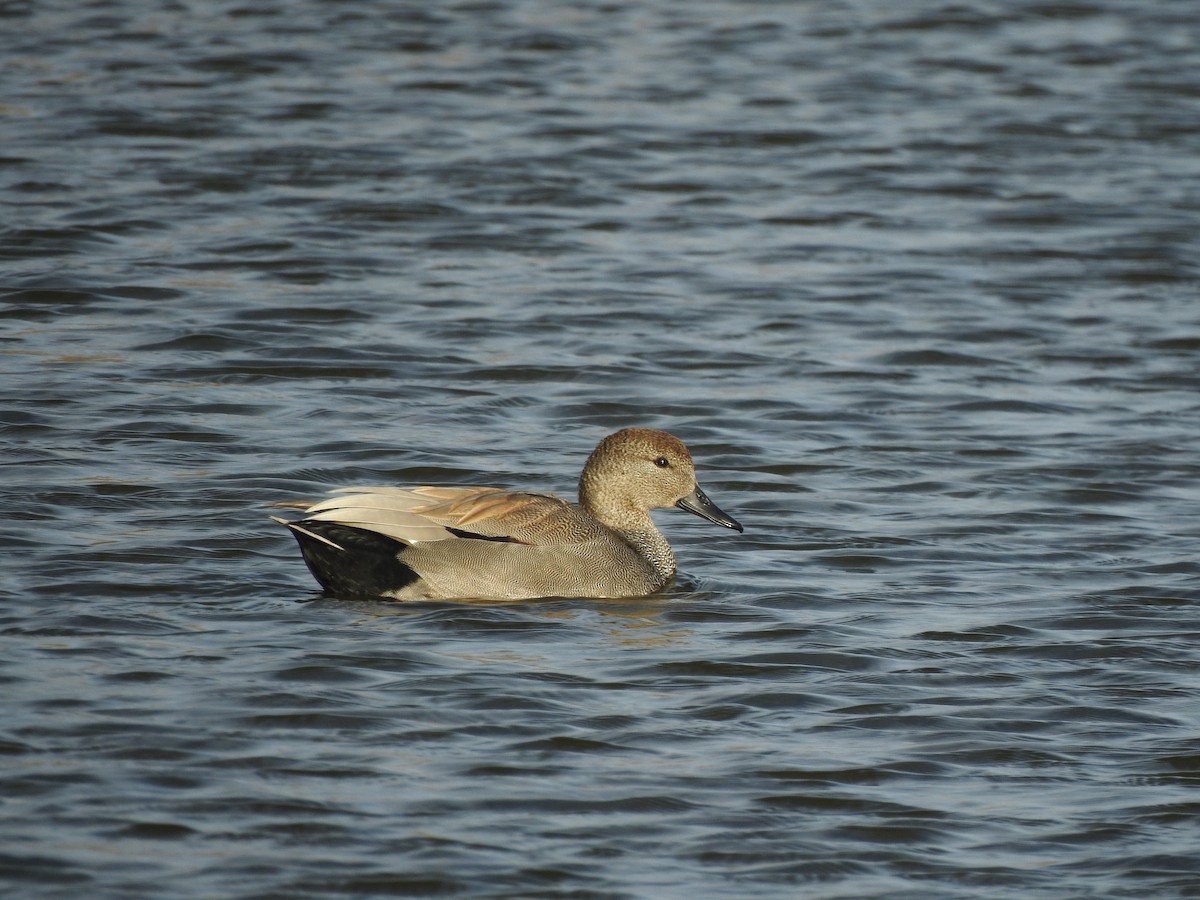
629,622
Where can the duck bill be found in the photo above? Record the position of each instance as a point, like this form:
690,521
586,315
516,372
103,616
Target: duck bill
697,502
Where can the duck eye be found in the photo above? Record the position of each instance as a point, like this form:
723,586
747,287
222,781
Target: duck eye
662,463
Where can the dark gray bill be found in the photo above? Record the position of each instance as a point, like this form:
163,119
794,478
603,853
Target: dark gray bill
697,502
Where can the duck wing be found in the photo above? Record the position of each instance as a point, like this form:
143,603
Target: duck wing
522,517
415,515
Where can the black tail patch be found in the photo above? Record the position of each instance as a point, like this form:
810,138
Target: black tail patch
368,565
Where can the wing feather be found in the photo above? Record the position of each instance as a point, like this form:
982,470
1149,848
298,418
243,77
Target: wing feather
414,515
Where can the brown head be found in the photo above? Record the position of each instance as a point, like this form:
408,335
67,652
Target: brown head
638,469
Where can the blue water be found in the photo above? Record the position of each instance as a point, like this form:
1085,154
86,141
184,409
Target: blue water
916,284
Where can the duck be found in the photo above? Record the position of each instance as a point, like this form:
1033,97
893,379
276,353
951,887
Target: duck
490,543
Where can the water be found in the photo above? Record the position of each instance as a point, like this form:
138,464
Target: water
916,284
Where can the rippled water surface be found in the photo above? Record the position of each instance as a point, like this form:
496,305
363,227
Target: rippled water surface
917,284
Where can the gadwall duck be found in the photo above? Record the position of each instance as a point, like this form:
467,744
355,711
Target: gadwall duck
443,543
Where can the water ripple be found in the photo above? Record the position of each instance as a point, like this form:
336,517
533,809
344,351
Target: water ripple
914,285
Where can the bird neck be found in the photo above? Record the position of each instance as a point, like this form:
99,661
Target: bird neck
633,525
652,547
